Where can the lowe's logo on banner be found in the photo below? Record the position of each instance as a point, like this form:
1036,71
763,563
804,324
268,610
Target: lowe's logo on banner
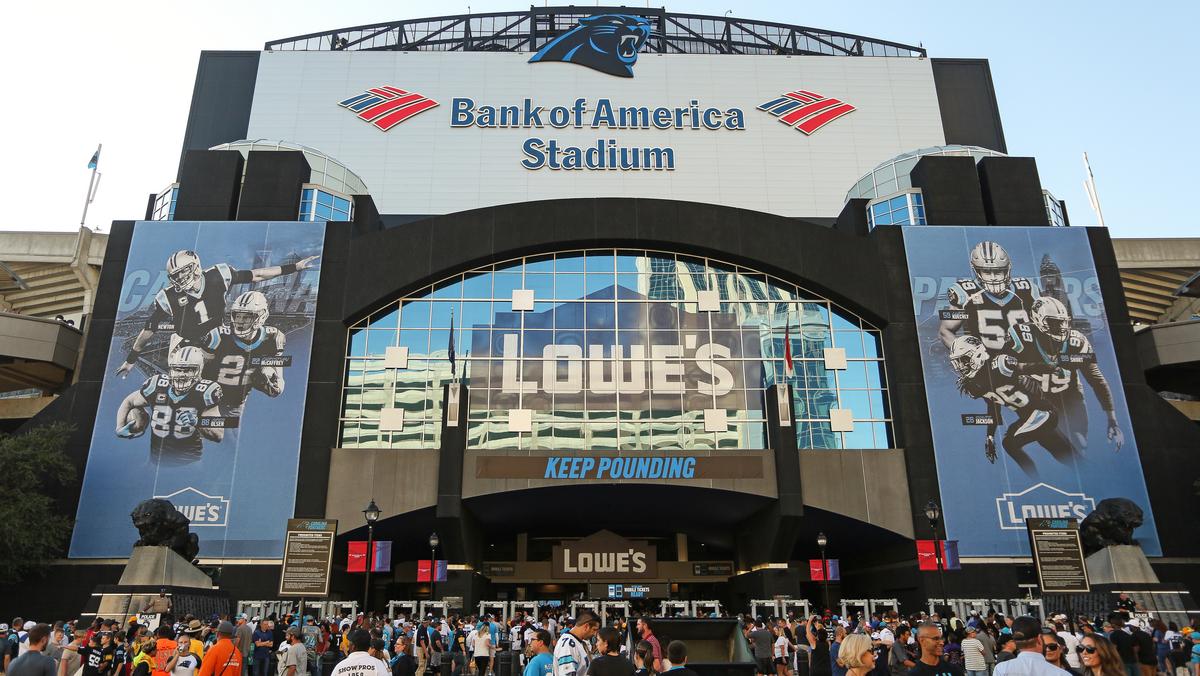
1041,501
201,509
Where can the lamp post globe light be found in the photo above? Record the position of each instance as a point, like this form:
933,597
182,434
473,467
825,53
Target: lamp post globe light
371,515
821,542
434,541
933,512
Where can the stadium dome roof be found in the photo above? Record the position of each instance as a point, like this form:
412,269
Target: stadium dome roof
892,176
529,30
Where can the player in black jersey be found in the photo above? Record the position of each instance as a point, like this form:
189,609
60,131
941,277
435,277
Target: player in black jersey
172,406
989,304
1005,383
1062,355
192,306
237,363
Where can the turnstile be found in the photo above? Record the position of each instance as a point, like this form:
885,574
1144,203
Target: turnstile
764,608
253,608
610,609
852,606
427,608
1028,607
497,608
530,608
882,606
801,607
343,608
593,606
406,608
675,608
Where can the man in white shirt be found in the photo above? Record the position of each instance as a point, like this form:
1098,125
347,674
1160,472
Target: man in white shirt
359,662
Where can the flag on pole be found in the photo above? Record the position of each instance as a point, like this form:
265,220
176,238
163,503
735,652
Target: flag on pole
453,372
95,161
787,348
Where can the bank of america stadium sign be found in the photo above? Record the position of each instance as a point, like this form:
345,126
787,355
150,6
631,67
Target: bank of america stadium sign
386,106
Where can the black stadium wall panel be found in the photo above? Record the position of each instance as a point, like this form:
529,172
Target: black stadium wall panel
967,99
221,98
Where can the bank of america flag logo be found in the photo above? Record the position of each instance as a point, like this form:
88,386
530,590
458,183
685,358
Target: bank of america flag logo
386,106
805,110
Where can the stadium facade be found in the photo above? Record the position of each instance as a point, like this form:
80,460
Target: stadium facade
712,285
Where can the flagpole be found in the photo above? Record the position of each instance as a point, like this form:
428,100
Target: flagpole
91,184
1089,185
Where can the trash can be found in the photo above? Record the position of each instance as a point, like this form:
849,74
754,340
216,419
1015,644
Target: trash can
329,660
504,663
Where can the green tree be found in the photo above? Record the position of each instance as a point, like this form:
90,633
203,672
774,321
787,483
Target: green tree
33,528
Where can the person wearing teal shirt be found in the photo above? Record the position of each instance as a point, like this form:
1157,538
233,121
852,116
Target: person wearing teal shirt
542,663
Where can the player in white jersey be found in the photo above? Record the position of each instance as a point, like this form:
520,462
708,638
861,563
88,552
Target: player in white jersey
573,652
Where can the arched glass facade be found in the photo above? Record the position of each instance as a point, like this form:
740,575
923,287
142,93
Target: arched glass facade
614,350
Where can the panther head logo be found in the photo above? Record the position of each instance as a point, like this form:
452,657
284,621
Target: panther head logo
608,43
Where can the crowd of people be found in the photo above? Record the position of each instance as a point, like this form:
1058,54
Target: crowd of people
984,644
553,644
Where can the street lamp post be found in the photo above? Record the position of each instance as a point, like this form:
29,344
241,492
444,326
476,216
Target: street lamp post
933,512
371,514
821,542
434,541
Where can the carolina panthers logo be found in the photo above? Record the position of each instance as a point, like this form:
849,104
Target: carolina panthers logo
608,43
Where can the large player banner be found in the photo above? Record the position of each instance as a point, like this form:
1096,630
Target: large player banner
1025,399
204,387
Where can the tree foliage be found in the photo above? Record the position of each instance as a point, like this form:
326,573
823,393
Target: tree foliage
33,528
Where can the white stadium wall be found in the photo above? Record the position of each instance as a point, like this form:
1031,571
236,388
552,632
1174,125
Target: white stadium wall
427,166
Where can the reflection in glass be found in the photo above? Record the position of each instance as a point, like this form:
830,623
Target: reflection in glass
670,362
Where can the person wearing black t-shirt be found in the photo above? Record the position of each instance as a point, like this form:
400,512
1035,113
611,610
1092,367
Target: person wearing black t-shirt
1147,656
610,662
92,657
677,656
107,653
818,638
459,653
931,643
1123,642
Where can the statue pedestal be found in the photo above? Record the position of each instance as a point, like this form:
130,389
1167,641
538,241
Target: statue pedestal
1120,564
161,566
158,580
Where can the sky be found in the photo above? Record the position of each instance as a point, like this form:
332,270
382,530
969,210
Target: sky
1115,79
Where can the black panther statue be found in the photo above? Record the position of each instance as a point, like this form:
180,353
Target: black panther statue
608,43
160,524
1111,523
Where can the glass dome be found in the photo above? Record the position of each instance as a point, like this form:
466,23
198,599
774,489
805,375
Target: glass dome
327,172
892,176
